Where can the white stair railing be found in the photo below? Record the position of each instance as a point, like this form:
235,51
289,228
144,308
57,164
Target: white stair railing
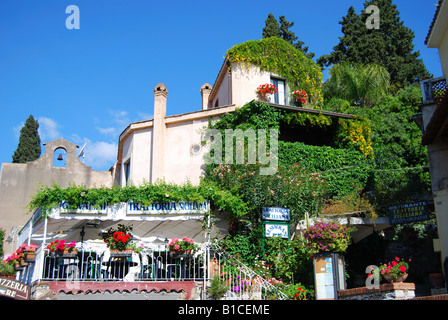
243,283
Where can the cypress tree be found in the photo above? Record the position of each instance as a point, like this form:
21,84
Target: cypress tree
274,29
29,142
389,46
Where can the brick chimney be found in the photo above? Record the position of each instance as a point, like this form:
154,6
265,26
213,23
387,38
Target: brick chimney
206,89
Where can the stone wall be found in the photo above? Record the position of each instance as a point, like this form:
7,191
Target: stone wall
388,291
19,182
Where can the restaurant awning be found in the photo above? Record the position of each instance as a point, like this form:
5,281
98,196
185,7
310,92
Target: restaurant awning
157,221
363,226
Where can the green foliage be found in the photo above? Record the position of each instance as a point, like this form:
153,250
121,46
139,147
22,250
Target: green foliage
361,84
6,268
344,170
217,288
278,56
289,260
400,160
244,246
291,187
390,46
160,192
297,292
29,142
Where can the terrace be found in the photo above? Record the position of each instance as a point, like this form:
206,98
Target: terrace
93,267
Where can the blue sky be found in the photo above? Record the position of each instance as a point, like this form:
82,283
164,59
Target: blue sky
87,85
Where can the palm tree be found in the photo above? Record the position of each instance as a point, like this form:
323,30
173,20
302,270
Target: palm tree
361,85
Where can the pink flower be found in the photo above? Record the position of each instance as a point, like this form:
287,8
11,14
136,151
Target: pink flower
176,247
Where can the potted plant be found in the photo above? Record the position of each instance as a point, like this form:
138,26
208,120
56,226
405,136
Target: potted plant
328,237
118,240
217,288
29,252
300,97
266,89
14,260
62,247
394,271
7,269
185,245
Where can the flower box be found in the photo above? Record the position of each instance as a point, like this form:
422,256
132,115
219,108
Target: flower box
30,257
17,266
67,253
180,252
116,253
23,263
184,246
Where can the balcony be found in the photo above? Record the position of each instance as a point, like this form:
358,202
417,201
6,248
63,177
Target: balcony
92,267
433,89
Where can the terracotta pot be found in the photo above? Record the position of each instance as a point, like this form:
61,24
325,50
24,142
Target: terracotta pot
389,278
67,252
10,276
23,263
120,253
437,280
17,266
188,251
30,257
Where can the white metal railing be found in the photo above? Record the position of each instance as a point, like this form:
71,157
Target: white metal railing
433,89
97,264
89,265
242,282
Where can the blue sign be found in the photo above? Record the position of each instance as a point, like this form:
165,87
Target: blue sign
276,214
408,212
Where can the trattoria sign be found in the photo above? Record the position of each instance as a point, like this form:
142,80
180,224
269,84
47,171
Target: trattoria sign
130,208
14,289
408,212
181,207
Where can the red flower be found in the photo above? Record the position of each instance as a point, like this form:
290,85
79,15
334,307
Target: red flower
402,268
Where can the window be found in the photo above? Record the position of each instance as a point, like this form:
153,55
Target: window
279,96
127,173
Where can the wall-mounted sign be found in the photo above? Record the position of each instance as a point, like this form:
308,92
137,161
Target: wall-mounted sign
276,214
181,207
14,289
408,212
276,230
83,209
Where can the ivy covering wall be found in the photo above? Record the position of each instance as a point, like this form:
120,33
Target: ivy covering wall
277,56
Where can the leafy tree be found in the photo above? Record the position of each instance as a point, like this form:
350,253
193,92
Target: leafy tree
361,85
400,165
29,142
273,29
389,46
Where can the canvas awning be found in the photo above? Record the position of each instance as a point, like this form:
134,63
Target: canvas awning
157,221
363,226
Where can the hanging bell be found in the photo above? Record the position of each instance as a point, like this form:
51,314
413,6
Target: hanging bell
60,157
